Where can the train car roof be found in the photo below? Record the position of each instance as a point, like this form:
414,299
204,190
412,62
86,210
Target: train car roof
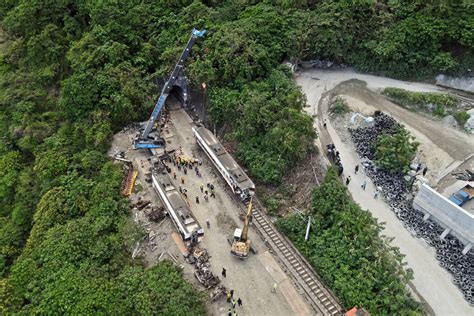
233,168
206,134
211,140
224,157
177,202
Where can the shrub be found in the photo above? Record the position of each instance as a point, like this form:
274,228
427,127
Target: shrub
272,205
394,152
462,118
339,107
421,100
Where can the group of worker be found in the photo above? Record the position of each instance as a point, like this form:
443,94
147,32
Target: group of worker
185,165
230,297
364,183
379,189
334,156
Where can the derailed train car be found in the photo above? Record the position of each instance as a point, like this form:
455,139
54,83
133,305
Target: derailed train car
232,173
177,208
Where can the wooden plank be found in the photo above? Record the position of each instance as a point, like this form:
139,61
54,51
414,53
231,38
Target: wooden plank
179,242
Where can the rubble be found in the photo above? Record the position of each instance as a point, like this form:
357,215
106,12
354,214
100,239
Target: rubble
205,276
218,293
155,213
466,175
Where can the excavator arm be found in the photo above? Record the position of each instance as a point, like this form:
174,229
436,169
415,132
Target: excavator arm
245,230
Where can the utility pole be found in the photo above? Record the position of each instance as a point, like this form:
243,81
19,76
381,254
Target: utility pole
307,229
203,113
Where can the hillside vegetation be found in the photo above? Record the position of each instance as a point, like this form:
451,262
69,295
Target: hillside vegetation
75,72
437,104
346,248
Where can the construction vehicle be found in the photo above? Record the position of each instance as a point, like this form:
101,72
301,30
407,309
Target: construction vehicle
241,243
149,137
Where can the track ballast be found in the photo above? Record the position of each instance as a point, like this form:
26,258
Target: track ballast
295,265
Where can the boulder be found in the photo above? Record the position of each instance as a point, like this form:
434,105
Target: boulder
469,126
450,121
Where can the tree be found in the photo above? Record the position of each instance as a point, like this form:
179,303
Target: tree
394,152
346,248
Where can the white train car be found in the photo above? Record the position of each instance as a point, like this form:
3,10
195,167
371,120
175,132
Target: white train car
232,173
177,208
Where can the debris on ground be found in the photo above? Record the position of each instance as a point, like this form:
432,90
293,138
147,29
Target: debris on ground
466,175
199,257
204,275
218,293
155,213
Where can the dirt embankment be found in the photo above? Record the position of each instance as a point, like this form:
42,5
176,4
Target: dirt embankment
294,193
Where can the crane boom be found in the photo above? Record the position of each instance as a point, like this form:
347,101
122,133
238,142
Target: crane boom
245,230
142,141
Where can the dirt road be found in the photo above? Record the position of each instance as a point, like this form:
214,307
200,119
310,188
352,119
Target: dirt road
442,148
431,281
458,144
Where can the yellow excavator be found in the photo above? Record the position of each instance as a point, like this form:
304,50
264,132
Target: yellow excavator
241,243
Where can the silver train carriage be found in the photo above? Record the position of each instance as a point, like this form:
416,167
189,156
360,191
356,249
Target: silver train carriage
232,173
177,208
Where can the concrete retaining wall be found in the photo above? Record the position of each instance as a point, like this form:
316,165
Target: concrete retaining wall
460,83
459,221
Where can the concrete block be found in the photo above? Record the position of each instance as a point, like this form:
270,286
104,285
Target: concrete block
445,233
466,249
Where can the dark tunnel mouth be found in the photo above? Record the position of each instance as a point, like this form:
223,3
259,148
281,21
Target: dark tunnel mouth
178,93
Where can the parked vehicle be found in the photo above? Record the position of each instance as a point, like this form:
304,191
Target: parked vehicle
463,195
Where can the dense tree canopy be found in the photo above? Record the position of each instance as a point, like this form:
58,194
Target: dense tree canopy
74,72
347,250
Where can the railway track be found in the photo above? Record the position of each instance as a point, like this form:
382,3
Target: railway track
292,262
320,298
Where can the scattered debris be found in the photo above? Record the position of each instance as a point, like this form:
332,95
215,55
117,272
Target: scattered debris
467,175
218,293
141,204
155,213
136,250
204,275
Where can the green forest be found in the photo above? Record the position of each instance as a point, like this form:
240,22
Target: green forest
348,252
75,72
